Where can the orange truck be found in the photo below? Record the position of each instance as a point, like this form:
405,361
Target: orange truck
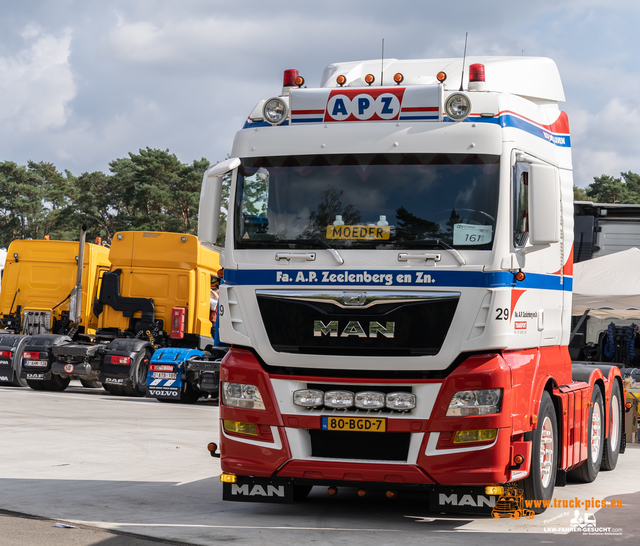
40,308
154,300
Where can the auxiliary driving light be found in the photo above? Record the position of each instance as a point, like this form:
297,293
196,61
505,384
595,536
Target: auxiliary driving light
472,436
370,400
240,428
275,111
401,401
308,398
338,399
458,106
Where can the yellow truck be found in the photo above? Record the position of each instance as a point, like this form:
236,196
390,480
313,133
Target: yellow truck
39,307
154,321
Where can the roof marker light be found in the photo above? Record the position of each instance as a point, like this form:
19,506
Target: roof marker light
369,78
398,78
441,76
341,80
476,73
476,77
289,78
299,81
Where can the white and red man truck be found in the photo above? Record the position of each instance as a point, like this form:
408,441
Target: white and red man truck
397,289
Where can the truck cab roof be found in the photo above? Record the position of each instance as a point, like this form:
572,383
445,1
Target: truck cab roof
532,77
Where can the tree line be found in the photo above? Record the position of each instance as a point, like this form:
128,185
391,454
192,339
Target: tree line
609,189
148,191
151,191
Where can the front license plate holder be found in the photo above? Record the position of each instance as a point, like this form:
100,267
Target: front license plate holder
354,424
248,489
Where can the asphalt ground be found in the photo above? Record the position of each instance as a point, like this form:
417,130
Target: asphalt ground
83,467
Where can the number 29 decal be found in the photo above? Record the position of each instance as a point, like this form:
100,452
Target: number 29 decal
502,313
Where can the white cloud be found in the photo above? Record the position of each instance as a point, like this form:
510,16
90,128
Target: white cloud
607,141
36,83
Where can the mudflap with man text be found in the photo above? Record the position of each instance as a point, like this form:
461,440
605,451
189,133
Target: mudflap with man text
248,489
468,500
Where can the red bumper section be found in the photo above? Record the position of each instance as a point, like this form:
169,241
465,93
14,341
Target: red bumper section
437,461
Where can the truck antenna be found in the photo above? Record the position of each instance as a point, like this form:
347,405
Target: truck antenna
464,56
382,66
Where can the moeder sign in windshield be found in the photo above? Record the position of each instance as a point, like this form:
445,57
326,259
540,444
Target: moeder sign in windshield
364,201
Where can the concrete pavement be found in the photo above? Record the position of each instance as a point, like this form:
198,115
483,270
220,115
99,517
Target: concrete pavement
139,466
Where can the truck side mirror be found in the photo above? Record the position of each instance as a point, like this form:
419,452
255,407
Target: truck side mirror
211,200
544,205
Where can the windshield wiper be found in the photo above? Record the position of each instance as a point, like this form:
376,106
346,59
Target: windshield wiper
439,243
315,241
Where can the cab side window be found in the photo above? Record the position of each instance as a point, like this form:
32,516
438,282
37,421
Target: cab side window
521,204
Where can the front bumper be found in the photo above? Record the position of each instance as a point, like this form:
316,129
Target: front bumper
430,458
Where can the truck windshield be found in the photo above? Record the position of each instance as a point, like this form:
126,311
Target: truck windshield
367,201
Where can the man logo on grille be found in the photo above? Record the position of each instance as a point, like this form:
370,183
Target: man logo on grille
354,299
353,328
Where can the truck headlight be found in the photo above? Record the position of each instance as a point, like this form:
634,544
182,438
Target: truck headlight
458,106
240,395
483,402
275,111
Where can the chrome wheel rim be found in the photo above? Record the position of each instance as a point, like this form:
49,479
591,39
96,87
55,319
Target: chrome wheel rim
546,452
596,426
614,429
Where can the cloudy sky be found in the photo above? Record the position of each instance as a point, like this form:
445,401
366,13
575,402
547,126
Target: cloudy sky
83,82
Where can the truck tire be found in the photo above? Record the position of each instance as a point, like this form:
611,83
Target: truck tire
588,470
57,383
17,380
540,483
35,385
91,384
138,376
114,389
190,395
616,418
